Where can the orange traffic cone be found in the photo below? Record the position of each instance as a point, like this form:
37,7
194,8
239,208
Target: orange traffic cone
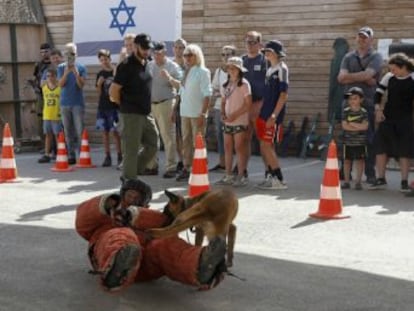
330,203
62,164
85,160
198,182
8,170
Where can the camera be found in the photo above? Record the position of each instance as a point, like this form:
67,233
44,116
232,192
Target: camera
70,59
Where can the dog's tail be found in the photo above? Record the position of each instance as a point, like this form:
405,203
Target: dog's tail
185,220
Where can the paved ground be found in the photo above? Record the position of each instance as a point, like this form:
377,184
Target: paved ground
288,260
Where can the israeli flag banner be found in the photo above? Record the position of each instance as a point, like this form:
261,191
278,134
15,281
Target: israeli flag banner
102,24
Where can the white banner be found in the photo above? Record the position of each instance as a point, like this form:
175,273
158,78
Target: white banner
101,24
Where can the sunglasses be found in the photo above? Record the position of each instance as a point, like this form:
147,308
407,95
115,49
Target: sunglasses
226,54
251,42
188,55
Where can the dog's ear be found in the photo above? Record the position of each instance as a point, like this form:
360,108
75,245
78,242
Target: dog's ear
172,196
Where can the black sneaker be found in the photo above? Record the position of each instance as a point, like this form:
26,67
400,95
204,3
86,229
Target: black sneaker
404,186
212,255
119,159
150,172
107,162
184,175
169,174
126,259
180,166
371,180
217,168
345,185
358,186
44,159
380,183
71,161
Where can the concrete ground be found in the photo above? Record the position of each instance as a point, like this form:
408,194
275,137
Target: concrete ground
288,260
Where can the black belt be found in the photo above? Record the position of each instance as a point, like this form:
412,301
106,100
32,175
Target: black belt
161,101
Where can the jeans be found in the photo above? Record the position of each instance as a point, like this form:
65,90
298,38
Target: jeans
72,119
219,131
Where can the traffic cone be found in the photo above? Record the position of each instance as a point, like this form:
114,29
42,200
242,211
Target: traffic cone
85,160
8,170
62,164
330,203
198,182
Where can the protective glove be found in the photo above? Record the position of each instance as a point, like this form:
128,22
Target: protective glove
123,217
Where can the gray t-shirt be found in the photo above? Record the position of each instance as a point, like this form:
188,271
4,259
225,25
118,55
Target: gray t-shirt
352,62
162,89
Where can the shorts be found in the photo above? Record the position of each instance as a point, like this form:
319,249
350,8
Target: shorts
234,129
52,126
107,120
354,152
395,139
266,134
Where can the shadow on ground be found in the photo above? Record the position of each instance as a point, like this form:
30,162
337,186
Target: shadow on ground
46,269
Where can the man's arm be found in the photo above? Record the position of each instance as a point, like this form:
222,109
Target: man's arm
80,80
115,93
366,76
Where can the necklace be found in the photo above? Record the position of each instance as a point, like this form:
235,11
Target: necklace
229,89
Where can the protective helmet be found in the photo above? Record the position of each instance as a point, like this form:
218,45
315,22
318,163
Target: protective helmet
140,186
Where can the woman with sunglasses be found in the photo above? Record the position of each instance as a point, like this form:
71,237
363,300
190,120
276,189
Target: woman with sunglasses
195,92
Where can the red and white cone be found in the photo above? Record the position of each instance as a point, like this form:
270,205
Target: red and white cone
198,182
330,203
62,164
85,160
8,169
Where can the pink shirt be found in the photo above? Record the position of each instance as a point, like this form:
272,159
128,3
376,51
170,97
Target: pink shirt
235,96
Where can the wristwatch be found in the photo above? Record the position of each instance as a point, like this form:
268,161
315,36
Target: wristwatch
273,116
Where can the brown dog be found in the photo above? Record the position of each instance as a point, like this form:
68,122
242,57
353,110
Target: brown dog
211,212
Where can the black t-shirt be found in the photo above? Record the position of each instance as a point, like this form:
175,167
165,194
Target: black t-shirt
399,105
38,71
256,74
136,86
104,102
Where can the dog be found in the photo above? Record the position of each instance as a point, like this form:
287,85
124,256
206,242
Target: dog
211,213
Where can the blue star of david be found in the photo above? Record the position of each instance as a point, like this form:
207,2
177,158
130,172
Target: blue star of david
129,22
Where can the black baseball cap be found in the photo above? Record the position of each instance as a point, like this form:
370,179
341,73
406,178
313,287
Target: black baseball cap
159,46
275,46
45,46
144,41
354,91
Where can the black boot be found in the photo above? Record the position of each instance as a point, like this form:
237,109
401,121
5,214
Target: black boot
125,261
108,161
211,257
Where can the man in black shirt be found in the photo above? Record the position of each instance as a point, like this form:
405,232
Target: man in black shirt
131,89
39,69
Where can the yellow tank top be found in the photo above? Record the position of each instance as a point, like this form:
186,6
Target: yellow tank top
51,100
